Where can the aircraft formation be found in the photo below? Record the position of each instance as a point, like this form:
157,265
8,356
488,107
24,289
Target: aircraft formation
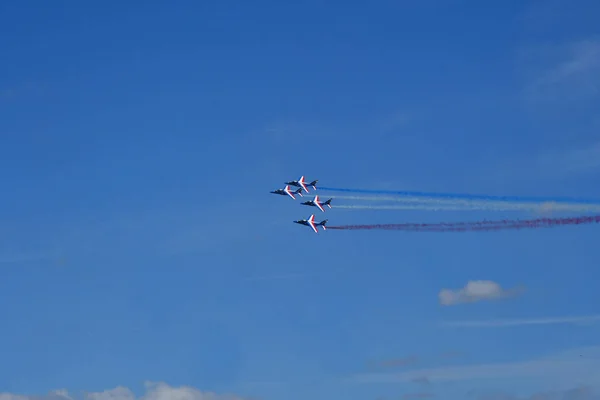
464,201
301,184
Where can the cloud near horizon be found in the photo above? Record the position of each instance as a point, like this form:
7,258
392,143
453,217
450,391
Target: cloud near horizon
154,391
476,291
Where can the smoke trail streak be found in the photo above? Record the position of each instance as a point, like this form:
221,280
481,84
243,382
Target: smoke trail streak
526,199
402,207
500,205
476,225
477,206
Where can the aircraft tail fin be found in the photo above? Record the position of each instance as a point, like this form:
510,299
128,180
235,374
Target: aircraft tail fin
328,203
314,184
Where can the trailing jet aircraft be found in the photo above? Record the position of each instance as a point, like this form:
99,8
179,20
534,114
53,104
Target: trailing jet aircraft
286,191
316,203
311,222
302,184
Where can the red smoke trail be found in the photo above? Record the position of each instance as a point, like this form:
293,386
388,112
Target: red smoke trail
477,225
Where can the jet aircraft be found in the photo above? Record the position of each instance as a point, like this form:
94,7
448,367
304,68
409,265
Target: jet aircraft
316,203
286,191
311,222
302,184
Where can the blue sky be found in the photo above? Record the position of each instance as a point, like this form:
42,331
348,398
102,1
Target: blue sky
139,143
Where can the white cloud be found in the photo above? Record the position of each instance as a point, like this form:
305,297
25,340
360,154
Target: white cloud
8,396
582,320
118,393
475,291
60,394
154,391
162,391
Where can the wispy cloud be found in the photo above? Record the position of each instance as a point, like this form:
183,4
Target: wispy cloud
297,131
422,380
13,93
577,393
583,61
582,320
394,121
570,368
476,291
555,164
575,160
411,396
297,275
6,93
396,362
23,258
565,72
451,354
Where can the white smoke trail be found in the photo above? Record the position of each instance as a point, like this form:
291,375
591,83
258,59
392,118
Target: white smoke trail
460,204
401,207
411,207
425,200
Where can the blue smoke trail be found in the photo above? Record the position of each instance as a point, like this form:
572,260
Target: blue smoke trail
523,199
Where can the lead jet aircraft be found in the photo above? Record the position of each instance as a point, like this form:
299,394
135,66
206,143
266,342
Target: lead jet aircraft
302,184
315,203
311,222
286,191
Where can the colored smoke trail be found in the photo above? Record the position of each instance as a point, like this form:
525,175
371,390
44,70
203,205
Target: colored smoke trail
523,199
476,225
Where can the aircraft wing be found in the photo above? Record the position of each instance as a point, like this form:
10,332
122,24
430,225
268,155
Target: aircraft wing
287,191
311,221
319,205
302,184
